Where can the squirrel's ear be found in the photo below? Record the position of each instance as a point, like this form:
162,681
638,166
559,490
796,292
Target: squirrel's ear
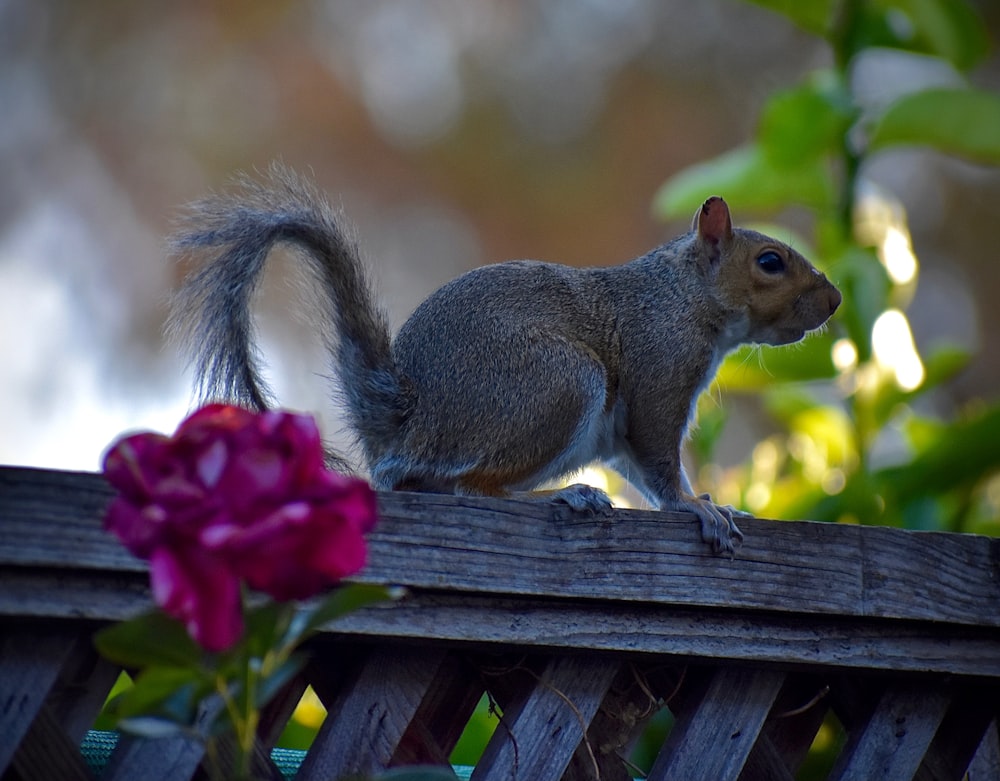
712,221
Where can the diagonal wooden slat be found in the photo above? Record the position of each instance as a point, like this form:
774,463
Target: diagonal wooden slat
795,719
279,710
48,752
164,759
985,764
174,758
634,697
538,734
960,734
892,744
31,657
442,716
765,763
367,720
82,687
50,747
714,734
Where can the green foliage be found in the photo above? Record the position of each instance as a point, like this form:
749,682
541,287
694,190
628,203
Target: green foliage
845,397
963,122
183,688
950,29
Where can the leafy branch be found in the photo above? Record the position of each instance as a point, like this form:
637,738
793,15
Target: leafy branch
849,389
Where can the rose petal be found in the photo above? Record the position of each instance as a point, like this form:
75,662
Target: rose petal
211,463
236,495
201,592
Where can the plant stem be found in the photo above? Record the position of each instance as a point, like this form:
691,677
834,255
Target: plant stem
244,724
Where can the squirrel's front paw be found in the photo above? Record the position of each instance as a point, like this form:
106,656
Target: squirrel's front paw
717,525
583,499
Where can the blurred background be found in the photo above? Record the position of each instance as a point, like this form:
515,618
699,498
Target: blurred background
453,132
456,133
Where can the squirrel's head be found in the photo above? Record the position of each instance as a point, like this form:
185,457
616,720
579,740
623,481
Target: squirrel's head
774,294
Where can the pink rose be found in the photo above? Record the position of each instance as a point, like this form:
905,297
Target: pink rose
235,496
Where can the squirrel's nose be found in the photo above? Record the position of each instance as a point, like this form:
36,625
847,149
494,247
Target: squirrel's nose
833,299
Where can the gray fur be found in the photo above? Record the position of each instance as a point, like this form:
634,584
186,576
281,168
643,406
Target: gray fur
233,234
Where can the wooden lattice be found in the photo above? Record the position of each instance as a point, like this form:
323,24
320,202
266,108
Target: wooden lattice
579,629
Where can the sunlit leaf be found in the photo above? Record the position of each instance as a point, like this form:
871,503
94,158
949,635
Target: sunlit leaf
814,16
962,122
786,402
711,423
940,366
921,432
755,368
831,429
858,502
150,639
747,179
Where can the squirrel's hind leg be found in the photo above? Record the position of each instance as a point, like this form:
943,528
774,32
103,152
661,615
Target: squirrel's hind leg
580,497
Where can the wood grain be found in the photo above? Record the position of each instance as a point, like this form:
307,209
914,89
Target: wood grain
31,659
493,546
539,734
369,718
893,743
727,718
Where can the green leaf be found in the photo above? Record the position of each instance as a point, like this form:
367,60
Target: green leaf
961,122
800,124
939,366
747,179
712,420
753,368
150,639
814,16
964,453
345,599
164,693
951,29
152,727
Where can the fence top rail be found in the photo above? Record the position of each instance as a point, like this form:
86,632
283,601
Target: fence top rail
476,547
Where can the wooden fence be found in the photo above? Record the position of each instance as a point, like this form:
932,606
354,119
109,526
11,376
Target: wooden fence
579,628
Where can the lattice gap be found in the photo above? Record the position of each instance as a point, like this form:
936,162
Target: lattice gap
574,717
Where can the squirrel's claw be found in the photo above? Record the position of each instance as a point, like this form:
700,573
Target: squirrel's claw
583,499
717,525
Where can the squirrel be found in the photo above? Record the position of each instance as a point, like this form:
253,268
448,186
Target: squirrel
512,374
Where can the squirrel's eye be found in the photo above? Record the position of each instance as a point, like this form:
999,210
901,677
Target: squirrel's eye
770,262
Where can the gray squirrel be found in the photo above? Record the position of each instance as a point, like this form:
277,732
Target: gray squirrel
513,374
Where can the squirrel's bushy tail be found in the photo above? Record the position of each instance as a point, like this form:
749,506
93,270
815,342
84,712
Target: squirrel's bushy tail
232,235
